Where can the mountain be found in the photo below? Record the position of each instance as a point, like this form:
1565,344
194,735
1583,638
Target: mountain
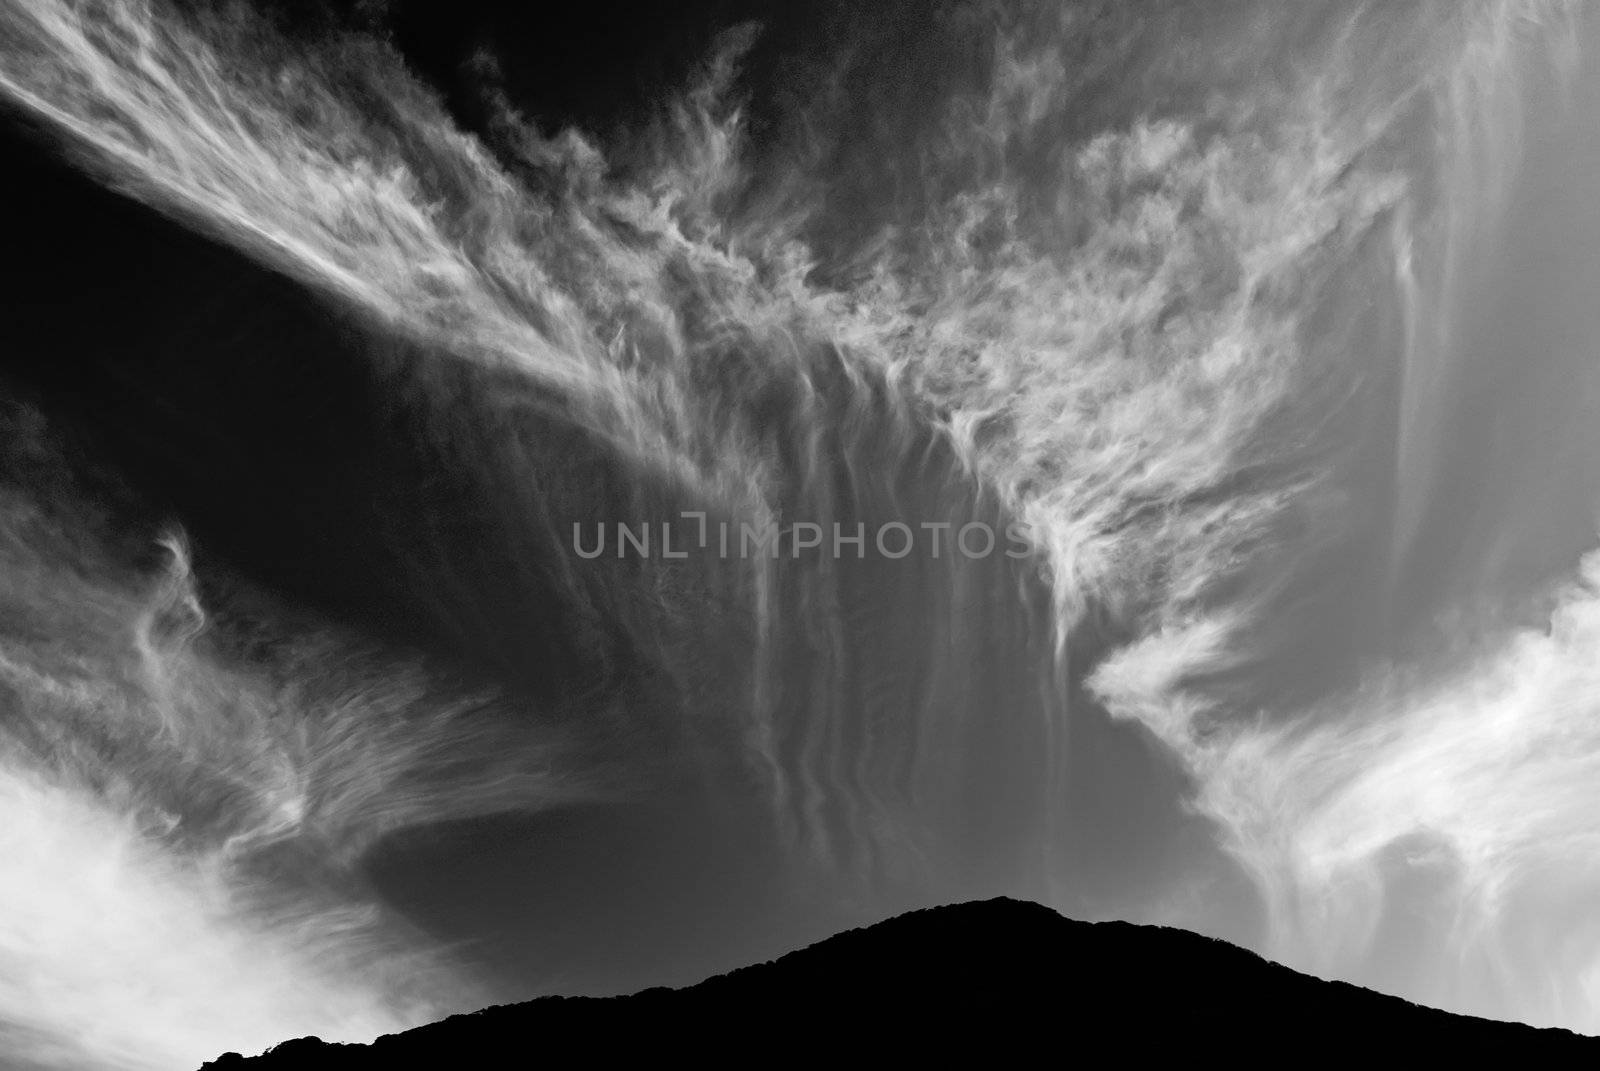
998,980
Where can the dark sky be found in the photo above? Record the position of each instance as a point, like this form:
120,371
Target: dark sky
590,63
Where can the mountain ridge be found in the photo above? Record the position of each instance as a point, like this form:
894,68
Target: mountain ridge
971,977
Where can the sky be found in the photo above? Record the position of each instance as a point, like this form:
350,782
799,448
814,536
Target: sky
1267,325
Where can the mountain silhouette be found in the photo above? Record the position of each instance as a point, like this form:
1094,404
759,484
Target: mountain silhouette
998,980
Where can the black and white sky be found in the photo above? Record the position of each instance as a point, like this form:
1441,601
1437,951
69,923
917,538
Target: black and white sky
334,335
